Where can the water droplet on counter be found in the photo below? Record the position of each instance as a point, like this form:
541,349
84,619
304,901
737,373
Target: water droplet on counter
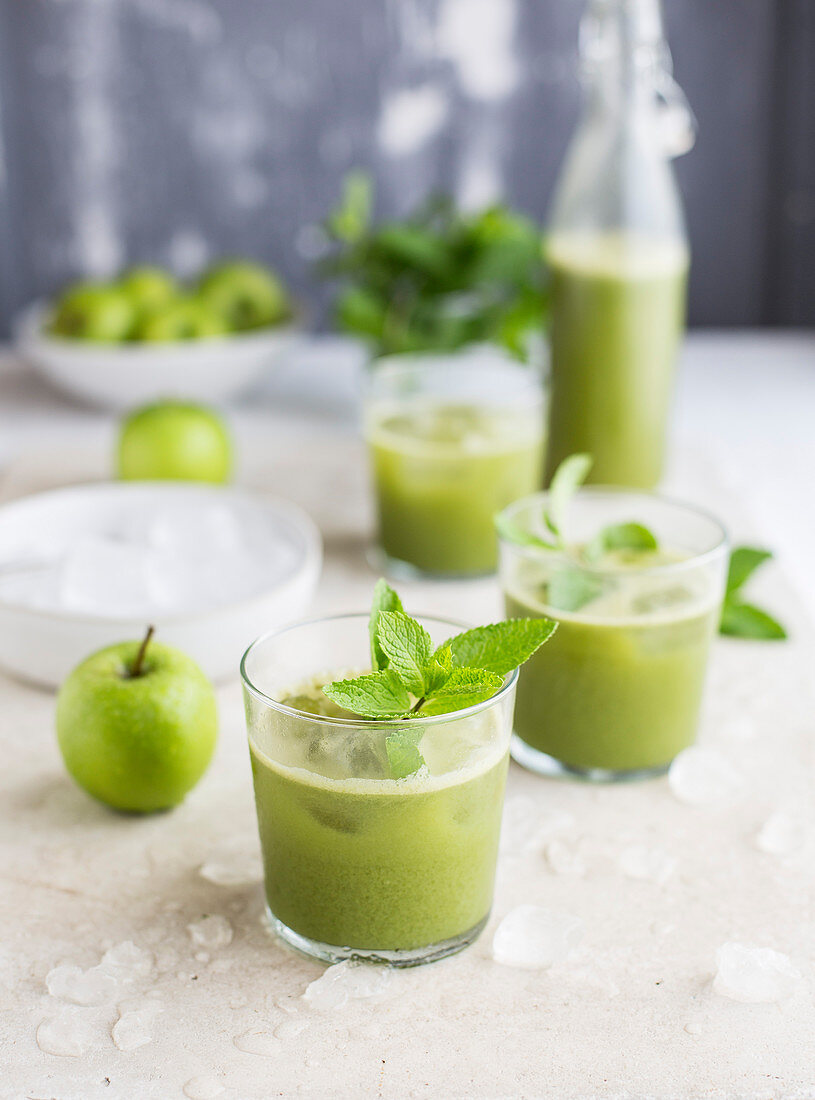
258,1041
203,1088
564,859
211,932
693,1027
295,1025
68,1035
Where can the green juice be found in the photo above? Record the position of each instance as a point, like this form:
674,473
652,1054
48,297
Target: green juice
619,685
373,863
618,310
441,472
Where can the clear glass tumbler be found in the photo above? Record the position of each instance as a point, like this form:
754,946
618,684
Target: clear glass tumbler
452,438
357,863
616,692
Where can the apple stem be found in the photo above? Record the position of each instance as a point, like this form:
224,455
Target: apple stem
136,667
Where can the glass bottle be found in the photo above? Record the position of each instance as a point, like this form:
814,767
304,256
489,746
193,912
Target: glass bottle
617,251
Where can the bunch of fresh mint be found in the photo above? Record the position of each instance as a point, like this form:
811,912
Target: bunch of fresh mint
437,280
570,588
411,679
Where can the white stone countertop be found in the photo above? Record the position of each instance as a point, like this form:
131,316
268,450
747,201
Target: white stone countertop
659,884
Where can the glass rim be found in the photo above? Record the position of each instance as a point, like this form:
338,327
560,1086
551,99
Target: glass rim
365,723
542,553
495,359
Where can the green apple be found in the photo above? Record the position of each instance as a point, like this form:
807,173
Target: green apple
174,441
247,294
94,311
137,725
148,287
181,319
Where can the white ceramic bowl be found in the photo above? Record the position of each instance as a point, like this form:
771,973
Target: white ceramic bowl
123,376
41,644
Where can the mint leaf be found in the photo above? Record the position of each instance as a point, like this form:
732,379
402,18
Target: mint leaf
513,532
464,688
385,599
500,647
744,620
620,536
376,695
438,669
744,560
350,220
407,647
570,589
402,747
566,480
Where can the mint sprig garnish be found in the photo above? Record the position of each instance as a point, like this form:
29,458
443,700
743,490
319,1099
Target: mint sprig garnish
410,679
739,618
566,480
570,587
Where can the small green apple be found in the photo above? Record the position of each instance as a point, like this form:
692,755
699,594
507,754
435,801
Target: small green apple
181,319
137,725
247,294
148,287
94,311
174,441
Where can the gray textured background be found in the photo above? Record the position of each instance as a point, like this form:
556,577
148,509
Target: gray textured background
174,130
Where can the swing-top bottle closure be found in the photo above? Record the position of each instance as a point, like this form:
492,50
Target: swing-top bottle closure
623,41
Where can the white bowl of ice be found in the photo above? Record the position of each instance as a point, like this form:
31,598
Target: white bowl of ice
123,376
210,567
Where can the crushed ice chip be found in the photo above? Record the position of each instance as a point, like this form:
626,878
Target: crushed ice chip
701,776
346,981
781,834
81,987
134,1028
755,975
211,932
126,962
535,938
233,869
651,864
203,1088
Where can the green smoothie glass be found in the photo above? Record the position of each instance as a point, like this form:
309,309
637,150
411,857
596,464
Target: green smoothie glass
358,864
453,438
616,692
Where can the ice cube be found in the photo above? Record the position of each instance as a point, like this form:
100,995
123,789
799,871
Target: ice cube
134,1028
346,981
211,932
535,938
565,859
755,975
196,530
235,868
781,835
700,776
96,986
69,1034
126,962
652,864
203,1088
100,576
525,829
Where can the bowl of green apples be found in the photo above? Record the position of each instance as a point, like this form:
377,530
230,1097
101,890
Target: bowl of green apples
146,336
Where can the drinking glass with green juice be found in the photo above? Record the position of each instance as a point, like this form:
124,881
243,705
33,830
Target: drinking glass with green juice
452,439
616,694
363,857
617,252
